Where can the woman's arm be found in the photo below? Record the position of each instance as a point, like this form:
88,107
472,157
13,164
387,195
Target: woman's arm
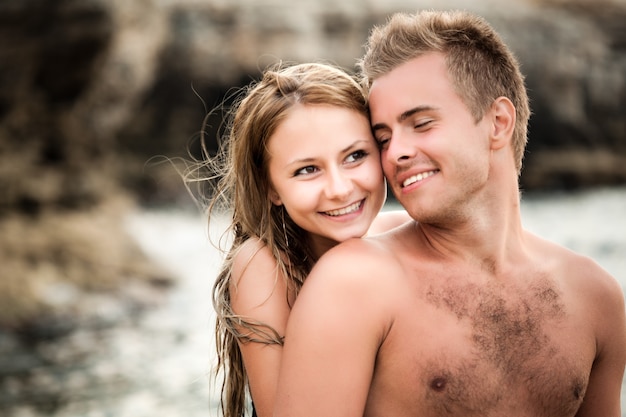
340,320
259,294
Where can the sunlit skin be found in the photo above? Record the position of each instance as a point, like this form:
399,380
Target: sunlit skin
463,312
325,169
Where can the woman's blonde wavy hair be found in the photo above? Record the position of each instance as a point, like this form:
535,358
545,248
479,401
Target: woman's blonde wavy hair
240,168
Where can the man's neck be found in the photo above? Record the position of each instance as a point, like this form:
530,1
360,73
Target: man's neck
490,231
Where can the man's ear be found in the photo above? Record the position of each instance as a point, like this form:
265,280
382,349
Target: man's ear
503,119
275,198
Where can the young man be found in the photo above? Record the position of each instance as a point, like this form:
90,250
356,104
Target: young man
461,312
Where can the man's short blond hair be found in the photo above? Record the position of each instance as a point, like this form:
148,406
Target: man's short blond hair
480,64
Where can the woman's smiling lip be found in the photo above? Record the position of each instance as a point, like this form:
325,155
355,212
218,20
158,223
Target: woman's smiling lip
345,210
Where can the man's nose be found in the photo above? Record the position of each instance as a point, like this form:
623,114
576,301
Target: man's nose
401,147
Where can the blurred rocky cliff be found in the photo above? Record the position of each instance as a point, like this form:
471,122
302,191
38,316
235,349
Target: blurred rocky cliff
92,90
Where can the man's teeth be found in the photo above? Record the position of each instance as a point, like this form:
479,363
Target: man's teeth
345,210
418,177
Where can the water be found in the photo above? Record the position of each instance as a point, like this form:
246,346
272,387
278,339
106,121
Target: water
591,223
161,365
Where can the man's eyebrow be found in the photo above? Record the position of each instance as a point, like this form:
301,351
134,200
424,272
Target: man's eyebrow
405,115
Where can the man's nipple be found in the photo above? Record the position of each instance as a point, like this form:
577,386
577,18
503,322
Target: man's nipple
438,384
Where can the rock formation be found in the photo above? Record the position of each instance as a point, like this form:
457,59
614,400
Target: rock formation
92,91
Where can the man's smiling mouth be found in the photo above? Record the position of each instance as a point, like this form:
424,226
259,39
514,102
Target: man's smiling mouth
419,177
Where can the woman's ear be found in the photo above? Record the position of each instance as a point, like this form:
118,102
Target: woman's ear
503,112
275,198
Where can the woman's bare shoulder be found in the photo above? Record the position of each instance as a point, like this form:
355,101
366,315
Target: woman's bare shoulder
253,254
255,275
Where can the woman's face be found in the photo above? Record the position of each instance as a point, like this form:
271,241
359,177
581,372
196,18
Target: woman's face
324,167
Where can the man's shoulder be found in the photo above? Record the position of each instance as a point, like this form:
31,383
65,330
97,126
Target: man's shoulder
591,279
578,272
575,263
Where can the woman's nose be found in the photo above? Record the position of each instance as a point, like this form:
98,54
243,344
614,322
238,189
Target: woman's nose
339,184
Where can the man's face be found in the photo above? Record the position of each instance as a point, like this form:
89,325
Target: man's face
433,153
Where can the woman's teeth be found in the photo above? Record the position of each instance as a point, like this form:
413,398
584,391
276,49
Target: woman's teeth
346,210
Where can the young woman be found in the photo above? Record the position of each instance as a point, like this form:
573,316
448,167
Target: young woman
300,172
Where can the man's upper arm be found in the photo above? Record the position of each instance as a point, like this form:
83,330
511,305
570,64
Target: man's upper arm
332,339
605,382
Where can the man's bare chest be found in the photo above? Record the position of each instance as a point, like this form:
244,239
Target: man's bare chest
492,350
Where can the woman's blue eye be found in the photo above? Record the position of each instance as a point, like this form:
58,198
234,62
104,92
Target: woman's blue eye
356,156
310,169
